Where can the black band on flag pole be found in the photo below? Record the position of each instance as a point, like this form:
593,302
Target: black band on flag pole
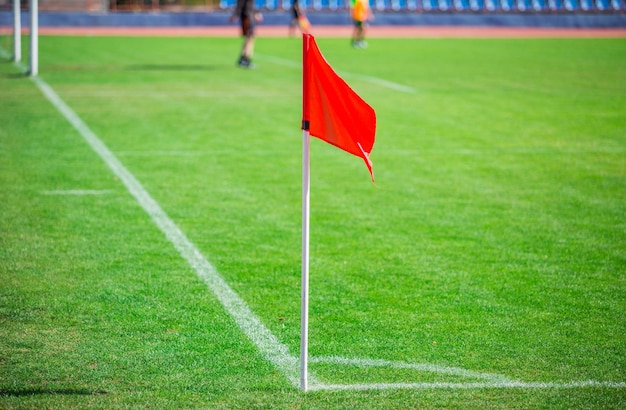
305,125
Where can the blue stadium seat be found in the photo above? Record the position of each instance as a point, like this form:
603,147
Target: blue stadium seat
491,5
379,5
397,5
429,5
570,5
461,5
444,5
538,5
476,5
555,5
411,5
507,5
602,4
335,4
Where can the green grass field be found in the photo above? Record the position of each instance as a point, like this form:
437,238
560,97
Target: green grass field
486,269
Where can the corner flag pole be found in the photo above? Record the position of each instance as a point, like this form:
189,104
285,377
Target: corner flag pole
304,318
306,179
17,32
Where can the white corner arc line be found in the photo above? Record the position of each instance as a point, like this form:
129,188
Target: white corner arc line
271,348
423,367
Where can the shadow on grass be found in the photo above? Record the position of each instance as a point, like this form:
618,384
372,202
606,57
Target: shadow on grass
9,60
171,67
134,67
16,75
40,391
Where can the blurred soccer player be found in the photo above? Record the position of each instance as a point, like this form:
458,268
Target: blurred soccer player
248,17
361,14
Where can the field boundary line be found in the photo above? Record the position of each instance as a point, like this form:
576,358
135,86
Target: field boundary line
467,386
271,348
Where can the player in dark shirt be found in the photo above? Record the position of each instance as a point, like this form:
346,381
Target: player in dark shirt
248,17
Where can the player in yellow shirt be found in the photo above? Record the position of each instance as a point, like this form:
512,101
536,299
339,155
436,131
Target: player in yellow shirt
361,14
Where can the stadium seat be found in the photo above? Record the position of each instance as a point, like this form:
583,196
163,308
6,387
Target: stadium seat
460,5
570,5
491,5
602,5
397,5
555,5
411,5
506,5
476,5
429,5
443,5
538,5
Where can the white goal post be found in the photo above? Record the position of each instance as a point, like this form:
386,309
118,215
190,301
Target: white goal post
17,32
34,35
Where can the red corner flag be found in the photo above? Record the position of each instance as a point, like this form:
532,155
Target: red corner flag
331,110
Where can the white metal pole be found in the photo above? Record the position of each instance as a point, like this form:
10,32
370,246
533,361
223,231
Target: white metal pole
34,37
304,320
17,31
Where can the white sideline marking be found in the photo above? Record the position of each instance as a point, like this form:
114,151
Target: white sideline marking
77,192
365,78
270,347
